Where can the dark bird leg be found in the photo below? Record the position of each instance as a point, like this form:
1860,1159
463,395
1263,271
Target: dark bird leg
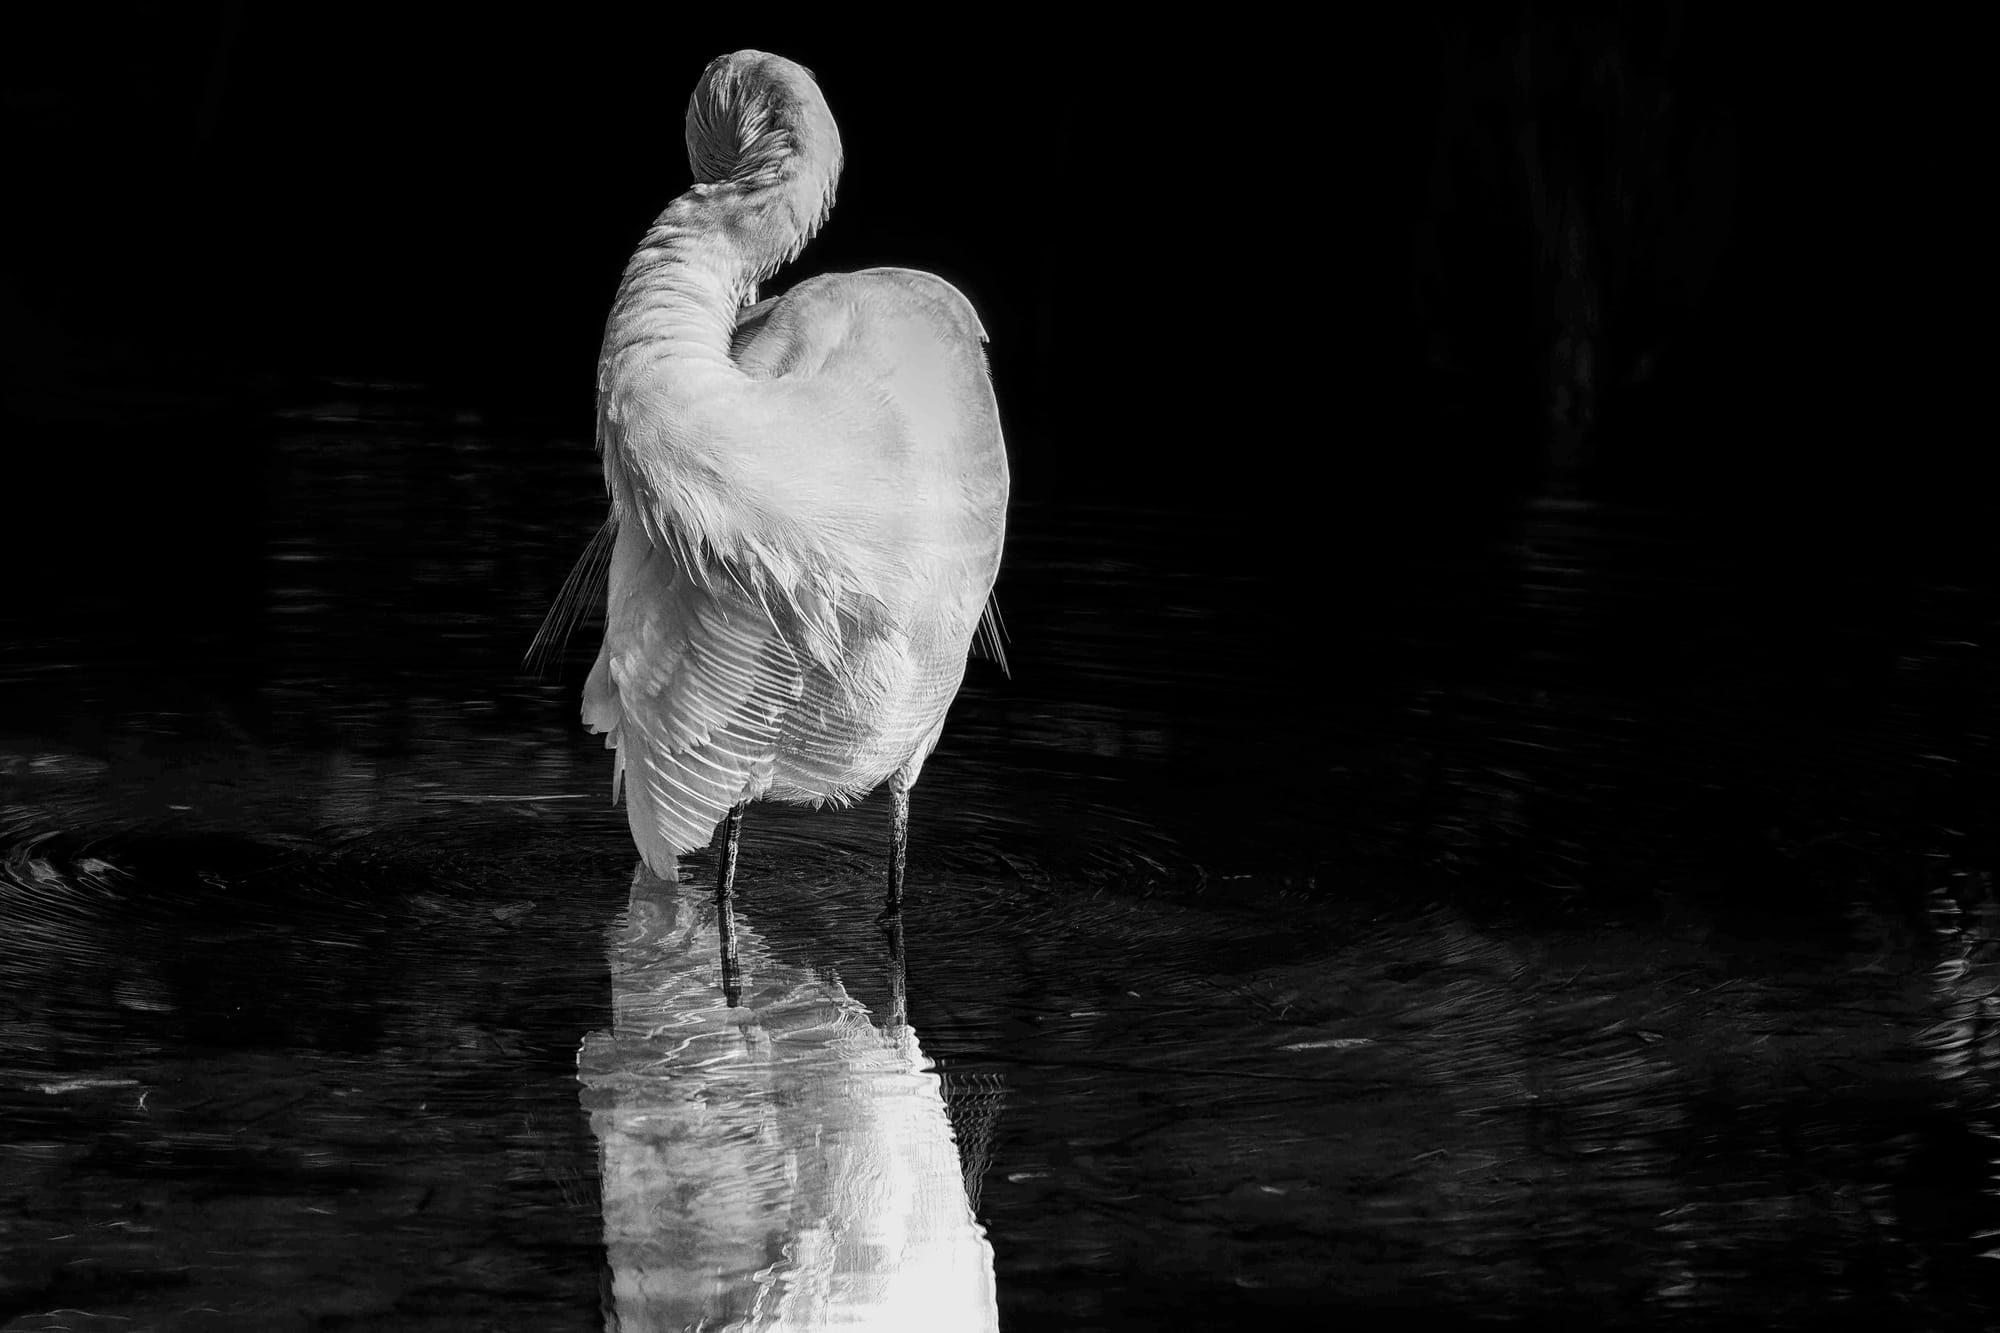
899,990
725,906
899,842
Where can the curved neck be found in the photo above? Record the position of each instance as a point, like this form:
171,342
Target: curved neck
683,286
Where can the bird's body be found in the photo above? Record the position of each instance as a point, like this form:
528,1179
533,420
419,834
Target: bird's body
808,494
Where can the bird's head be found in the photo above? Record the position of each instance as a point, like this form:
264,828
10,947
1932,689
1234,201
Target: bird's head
758,127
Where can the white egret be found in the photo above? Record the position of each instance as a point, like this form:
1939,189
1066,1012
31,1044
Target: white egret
808,494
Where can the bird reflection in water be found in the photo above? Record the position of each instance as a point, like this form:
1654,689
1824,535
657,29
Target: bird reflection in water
781,1165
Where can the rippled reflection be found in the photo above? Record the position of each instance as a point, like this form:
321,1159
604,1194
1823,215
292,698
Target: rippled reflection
783,1165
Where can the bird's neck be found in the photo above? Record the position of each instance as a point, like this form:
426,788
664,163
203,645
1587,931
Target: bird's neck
683,287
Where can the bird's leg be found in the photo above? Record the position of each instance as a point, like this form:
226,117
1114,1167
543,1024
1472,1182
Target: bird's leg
725,905
899,841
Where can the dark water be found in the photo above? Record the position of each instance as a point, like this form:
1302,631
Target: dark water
1474,910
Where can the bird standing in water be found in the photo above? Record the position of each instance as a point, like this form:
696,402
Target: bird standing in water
808,494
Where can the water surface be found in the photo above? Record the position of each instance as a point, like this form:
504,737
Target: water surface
1483,908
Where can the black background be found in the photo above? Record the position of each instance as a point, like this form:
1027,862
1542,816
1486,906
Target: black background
1194,245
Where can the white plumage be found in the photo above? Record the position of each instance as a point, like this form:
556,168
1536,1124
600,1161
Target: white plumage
808,494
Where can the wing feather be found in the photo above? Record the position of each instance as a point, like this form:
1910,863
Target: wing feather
691,688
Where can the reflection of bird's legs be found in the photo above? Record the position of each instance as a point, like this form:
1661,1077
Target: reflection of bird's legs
725,905
899,995
899,841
